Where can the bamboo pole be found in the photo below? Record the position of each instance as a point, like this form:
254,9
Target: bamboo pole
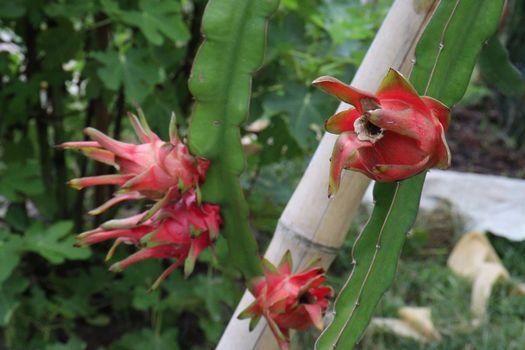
312,225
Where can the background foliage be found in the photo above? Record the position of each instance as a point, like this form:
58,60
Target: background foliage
66,64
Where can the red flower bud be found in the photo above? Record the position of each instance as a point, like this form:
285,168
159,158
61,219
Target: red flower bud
287,300
179,231
153,169
389,136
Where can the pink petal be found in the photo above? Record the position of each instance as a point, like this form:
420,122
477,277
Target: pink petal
442,152
406,122
395,87
100,235
159,252
129,222
396,172
342,121
285,266
115,200
344,155
441,111
98,180
148,180
78,144
100,155
316,314
360,99
166,273
143,136
401,150
121,149
281,335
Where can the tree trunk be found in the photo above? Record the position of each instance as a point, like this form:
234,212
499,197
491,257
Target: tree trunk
312,225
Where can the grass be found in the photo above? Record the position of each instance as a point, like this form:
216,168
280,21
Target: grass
423,279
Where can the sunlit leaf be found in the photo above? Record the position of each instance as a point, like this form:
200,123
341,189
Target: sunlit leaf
156,19
132,69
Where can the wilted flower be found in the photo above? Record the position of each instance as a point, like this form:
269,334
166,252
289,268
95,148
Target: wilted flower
287,300
179,231
389,136
153,169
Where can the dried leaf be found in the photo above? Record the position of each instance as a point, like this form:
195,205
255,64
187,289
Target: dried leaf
474,258
420,319
470,253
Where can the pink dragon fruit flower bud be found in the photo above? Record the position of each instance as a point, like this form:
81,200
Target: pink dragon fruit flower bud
389,136
179,231
153,169
288,300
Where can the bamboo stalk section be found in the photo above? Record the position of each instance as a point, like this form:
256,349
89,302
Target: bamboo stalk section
312,225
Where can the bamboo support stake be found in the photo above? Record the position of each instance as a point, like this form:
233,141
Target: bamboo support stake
312,225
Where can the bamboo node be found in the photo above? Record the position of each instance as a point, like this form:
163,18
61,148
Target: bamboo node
304,240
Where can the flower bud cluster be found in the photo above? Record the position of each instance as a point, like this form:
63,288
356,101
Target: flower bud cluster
177,226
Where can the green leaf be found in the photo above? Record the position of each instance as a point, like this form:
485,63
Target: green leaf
55,243
19,180
498,71
133,69
9,256
58,46
463,26
12,9
72,344
305,109
9,260
71,9
16,216
148,339
278,142
156,19
220,81
18,96
9,297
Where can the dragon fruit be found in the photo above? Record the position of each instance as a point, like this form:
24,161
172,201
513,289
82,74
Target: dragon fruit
288,300
388,136
179,231
154,169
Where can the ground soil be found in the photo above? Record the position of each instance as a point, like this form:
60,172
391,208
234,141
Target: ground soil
478,144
